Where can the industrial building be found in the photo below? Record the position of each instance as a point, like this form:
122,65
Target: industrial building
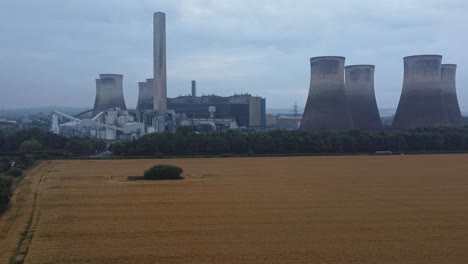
449,92
282,122
326,107
111,124
109,93
360,94
421,102
246,110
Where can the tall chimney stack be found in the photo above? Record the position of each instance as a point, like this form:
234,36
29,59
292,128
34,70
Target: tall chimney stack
194,88
159,66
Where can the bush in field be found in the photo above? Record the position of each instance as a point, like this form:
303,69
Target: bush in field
14,172
5,191
163,172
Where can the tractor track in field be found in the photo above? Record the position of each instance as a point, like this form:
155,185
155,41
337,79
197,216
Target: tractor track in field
22,248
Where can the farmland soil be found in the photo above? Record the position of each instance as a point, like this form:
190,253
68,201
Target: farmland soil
360,209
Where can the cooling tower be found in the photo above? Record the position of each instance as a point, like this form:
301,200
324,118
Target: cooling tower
98,97
421,102
109,93
326,107
159,66
448,78
145,96
360,94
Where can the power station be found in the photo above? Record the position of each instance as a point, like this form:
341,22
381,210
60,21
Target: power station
360,93
339,98
421,102
327,106
449,92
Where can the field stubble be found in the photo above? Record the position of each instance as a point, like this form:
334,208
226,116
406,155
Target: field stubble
399,209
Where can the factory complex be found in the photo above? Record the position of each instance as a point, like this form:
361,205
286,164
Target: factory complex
340,97
155,113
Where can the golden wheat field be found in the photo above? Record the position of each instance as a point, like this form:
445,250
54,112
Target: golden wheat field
397,209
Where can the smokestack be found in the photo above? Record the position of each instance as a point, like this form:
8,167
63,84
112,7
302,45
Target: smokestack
159,66
449,90
421,102
145,97
326,107
194,88
109,93
361,97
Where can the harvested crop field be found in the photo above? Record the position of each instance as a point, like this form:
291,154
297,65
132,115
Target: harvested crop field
396,209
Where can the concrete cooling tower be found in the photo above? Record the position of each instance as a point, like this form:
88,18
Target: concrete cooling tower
361,97
109,93
145,96
159,63
421,102
326,107
448,79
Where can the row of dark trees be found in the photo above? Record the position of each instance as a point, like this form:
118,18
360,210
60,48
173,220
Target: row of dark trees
187,142
38,141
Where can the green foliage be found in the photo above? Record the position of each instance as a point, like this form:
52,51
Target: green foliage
5,191
24,162
185,142
116,148
30,146
84,146
14,172
163,172
5,164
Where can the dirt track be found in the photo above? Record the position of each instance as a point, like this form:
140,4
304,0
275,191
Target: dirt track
400,209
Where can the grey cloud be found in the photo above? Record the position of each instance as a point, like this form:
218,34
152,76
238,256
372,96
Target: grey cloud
52,50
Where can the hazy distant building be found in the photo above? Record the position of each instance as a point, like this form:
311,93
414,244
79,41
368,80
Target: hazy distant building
109,93
361,97
448,78
194,88
326,107
421,102
248,111
159,65
145,95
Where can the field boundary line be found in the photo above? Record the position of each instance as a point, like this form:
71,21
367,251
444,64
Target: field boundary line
21,251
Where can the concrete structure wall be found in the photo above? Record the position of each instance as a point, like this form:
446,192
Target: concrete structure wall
449,90
421,102
194,88
360,94
326,107
159,66
255,112
98,97
263,114
145,97
109,93
245,111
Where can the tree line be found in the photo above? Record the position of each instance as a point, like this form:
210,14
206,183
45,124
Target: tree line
37,141
187,142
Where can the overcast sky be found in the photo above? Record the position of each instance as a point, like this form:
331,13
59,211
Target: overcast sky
51,51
